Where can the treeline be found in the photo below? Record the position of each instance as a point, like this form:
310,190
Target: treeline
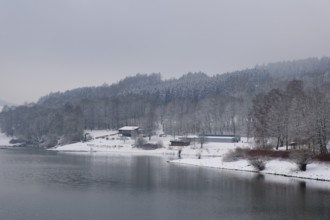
243,103
44,127
296,116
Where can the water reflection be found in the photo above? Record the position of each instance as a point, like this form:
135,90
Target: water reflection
48,185
259,177
302,185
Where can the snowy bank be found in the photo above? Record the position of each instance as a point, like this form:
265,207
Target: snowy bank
315,170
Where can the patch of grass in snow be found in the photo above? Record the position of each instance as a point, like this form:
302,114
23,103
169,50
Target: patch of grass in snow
322,157
267,153
243,153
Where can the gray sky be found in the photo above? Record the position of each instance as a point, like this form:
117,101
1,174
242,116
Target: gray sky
55,45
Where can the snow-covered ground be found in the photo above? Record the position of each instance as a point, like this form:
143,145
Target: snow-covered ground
118,144
315,170
100,133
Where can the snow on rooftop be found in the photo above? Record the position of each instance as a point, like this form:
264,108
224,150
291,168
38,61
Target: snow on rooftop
128,128
98,133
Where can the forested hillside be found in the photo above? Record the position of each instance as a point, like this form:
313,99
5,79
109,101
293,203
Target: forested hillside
194,103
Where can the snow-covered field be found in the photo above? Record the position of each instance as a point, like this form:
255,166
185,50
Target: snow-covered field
117,144
211,154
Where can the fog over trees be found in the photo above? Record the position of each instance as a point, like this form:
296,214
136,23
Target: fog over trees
3,103
288,101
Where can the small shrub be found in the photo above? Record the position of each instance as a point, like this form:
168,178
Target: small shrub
234,155
301,158
149,146
48,141
257,163
140,141
69,138
87,137
17,141
160,144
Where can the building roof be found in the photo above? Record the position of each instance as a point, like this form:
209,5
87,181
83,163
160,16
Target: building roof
128,128
220,136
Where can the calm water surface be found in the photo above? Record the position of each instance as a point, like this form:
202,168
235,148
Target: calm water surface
41,185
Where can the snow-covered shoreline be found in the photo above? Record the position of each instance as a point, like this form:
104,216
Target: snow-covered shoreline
315,171
211,156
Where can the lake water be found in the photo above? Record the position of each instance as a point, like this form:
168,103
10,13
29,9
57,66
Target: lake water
42,185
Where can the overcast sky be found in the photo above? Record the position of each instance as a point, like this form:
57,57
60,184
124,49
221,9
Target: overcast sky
55,45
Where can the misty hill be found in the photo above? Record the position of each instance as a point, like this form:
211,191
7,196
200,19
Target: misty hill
196,86
192,86
3,103
195,103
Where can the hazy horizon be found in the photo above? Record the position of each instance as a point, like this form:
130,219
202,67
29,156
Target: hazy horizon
50,46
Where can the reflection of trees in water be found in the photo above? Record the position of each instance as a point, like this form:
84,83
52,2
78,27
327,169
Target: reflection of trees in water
259,177
302,185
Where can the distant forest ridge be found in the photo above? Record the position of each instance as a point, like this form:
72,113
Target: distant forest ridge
195,103
3,103
198,85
